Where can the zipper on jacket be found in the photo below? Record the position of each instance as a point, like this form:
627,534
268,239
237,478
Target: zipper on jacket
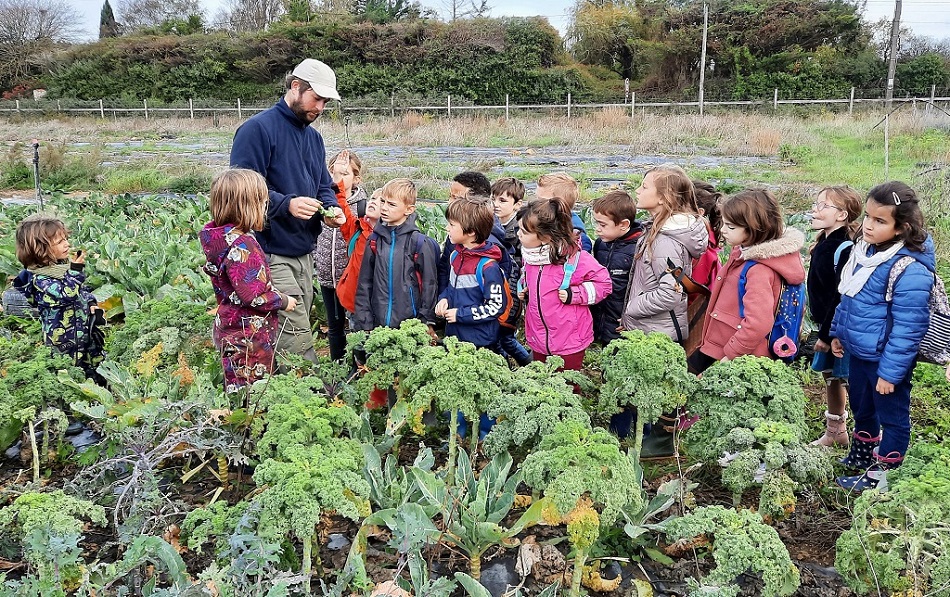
389,298
547,333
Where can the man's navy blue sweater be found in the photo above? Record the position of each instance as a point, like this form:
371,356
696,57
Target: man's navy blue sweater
291,156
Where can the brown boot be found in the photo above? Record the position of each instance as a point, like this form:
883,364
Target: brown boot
836,431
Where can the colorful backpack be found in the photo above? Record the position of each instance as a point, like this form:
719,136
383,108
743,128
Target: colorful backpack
786,332
935,346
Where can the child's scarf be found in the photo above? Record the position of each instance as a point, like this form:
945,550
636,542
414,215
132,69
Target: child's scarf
537,255
853,277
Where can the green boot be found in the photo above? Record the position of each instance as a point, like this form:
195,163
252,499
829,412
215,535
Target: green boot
660,443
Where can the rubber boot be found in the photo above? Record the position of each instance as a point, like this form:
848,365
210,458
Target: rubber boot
660,443
836,431
875,477
861,456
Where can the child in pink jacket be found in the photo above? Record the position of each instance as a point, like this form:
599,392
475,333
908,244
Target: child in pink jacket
559,283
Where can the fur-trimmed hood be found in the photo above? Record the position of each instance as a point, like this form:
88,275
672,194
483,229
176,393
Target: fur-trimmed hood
782,255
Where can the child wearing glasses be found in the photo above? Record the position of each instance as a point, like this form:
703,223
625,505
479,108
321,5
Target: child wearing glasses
834,216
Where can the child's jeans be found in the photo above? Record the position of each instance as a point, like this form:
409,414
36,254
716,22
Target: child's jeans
511,346
874,411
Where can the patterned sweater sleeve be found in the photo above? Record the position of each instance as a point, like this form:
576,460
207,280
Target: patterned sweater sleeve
65,292
249,275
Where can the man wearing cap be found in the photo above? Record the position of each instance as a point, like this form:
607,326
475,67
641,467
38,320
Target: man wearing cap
280,144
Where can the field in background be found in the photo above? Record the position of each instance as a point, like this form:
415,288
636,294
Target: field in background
791,154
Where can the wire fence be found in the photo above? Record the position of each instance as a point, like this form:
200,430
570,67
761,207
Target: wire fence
455,106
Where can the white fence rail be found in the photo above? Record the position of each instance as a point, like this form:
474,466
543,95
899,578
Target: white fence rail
190,110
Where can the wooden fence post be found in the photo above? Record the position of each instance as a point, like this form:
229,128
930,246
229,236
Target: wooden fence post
775,100
392,105
507,105
17,105
633,102
239,109
102,110
145,103
568,105
448,104
191,108
851,103
933,95
59,106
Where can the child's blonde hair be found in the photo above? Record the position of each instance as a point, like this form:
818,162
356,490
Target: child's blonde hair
34,240
402,189
676,196
561,185
846,199
356,164
758,212
239,196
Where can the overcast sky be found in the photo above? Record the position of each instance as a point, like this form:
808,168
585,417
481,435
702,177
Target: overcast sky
925,17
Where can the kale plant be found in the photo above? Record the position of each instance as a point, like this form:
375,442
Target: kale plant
752,422
390,354
166,327
48,526
534,400
458,378
582,470
899,541
741,543
647,372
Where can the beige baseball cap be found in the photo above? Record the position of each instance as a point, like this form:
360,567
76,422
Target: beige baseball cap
320,77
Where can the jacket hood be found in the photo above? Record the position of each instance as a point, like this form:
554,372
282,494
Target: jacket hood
217,241
927,257
488,249
407,227
689,231
782,255
22,280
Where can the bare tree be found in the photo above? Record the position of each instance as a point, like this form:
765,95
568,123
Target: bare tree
249,15
466,9
137,14
29,30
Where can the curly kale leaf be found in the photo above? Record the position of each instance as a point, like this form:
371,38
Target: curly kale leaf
391,353
646,371
734,394
899,539
297,415
53,515
458,376
575,460
534,401
212,523
178,325
311,481
741,542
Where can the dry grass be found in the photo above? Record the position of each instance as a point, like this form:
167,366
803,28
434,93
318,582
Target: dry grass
732,133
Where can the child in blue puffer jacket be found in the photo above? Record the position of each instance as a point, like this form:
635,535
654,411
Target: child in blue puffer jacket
882,333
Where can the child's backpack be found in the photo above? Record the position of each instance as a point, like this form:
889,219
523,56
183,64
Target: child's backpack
786,334
935,346
570,266
505,318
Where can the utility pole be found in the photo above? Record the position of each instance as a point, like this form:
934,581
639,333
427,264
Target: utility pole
892,61
702,59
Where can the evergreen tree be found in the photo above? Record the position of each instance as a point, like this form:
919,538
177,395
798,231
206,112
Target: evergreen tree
108,27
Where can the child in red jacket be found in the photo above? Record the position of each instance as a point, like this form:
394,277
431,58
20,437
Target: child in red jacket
753,227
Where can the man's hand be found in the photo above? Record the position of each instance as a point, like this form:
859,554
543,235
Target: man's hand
837,348
291,303
305,207
337,220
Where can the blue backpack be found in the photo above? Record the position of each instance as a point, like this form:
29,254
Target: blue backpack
789,317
